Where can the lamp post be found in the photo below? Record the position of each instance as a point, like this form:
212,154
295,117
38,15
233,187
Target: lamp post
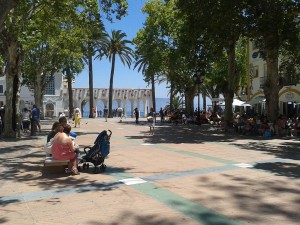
198,78
182,96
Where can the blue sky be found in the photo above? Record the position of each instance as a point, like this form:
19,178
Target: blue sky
123,77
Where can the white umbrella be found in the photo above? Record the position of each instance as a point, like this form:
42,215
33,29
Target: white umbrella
237,102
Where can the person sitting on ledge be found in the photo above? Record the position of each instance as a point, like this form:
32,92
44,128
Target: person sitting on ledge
63,149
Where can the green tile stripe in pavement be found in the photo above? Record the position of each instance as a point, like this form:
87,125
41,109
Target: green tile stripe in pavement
189,208
180,151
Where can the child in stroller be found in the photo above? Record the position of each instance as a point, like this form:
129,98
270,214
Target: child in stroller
98,152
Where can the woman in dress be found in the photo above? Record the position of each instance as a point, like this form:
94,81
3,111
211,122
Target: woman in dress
63,149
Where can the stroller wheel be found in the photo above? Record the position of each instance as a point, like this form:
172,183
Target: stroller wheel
103,167
96,170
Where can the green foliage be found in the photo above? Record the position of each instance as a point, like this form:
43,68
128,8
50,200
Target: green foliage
115,45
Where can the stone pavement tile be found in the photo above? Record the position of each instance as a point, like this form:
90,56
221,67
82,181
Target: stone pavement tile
228,153
14,214
123,205
241,197
8,188
148,160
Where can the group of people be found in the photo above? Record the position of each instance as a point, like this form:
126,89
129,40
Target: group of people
245,124
62,144
31,118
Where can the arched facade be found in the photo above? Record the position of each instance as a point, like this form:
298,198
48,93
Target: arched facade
121,96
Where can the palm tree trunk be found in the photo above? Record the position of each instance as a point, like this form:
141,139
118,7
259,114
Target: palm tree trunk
111,84
153,92
91,85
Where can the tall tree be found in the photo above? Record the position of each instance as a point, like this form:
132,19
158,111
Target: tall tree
5,7
116,45
218,32
15,33
273,24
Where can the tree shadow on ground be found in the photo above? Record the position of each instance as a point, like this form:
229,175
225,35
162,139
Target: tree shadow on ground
176,134
280,169
285,150
134,218
255,199
29,169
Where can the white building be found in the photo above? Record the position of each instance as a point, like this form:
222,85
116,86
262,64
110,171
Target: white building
53,101
289,96
56,97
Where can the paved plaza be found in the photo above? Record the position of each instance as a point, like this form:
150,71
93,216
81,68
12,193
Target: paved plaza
183,175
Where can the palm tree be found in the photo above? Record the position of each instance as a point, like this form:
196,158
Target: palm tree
116,45
90,49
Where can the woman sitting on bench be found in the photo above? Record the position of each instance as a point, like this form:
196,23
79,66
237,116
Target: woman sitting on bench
63,149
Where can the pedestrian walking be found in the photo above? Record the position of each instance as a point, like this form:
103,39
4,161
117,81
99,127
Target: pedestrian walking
136,113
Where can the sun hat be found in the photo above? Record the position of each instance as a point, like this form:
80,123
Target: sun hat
73,135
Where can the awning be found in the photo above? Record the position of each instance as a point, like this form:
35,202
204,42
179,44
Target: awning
257,100
235,102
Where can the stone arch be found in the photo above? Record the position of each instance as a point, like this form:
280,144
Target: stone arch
49,110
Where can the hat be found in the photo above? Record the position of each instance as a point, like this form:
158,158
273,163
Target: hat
73,135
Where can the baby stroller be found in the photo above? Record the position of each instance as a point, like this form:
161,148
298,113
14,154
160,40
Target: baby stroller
97,153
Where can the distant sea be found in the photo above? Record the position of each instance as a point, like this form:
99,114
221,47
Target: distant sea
160,103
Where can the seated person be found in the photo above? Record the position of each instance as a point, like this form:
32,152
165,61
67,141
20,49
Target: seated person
63,149
264,126
56,127
63,121
279,125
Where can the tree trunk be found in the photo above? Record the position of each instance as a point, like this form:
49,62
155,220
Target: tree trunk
91,85
229,90
272,85
38,96
69,79
153,92
171,96
12,90
189,101
111,86
204,101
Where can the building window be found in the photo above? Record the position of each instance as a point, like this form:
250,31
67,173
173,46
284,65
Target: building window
262,82
256,71
1,89
265,70
254,45
50,87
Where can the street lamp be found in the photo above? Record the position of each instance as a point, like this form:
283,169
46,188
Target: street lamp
182,96
198,78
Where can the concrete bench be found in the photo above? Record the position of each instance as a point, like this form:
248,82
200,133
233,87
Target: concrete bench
54,166
49,161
